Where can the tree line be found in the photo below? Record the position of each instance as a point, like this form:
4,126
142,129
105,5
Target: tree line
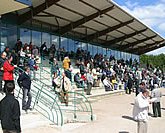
153,61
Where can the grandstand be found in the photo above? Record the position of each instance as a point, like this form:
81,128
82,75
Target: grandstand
97,26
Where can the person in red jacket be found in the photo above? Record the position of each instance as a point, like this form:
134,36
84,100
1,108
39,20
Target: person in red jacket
8,69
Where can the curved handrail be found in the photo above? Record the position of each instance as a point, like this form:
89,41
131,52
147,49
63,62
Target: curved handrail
78,107
86,100
37,99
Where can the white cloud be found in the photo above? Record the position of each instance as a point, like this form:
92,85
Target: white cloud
162,27
151,15
162,0
131,5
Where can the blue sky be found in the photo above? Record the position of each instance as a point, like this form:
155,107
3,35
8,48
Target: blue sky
150,12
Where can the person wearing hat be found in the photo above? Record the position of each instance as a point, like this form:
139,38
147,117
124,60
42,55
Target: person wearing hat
156,94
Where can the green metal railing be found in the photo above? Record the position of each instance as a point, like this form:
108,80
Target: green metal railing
39,96
77,101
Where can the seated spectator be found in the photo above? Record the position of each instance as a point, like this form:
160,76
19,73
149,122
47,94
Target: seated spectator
84,79
107,84
78,80
28,52
114,82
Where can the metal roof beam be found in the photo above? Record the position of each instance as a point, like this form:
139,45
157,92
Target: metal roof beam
144,47
127,46
36,10
75,24
150,49
109,29
44,15
112,42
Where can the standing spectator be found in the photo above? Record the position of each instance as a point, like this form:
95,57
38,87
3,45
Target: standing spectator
140,111
22,60
2,60
35,51
141,87
30,47
43,49
130,84
24,82
65,88
55,81
156,94
82,68
15,57
10,111
136,85
18,45
7,50
32,65
89,82
52,51
66,66
55,67
8,69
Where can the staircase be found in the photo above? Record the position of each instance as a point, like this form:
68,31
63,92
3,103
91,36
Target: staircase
47,103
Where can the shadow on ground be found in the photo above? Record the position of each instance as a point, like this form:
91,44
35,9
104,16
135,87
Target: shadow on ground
128,118
132,103
123,132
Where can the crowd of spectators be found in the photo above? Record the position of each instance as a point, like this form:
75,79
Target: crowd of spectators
111,72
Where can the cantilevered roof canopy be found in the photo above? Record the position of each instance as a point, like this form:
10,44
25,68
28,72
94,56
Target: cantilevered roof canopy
101,22
10,5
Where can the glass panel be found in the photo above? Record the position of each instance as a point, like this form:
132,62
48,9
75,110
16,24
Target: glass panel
64,43
25,35
100,50
11,36
46,38
71,45
84,46
55,40
36,38
112,53
90,48
3,38
122,55
94,50
104,51
108,53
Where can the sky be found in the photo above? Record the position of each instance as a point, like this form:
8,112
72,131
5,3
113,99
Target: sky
149,12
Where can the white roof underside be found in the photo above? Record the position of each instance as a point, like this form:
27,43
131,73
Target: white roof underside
10,5
66,12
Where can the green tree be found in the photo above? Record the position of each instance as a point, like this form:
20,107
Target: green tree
154,60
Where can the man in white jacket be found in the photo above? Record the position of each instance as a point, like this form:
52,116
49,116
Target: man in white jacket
140,111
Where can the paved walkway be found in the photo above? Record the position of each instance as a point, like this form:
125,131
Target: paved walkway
113,116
